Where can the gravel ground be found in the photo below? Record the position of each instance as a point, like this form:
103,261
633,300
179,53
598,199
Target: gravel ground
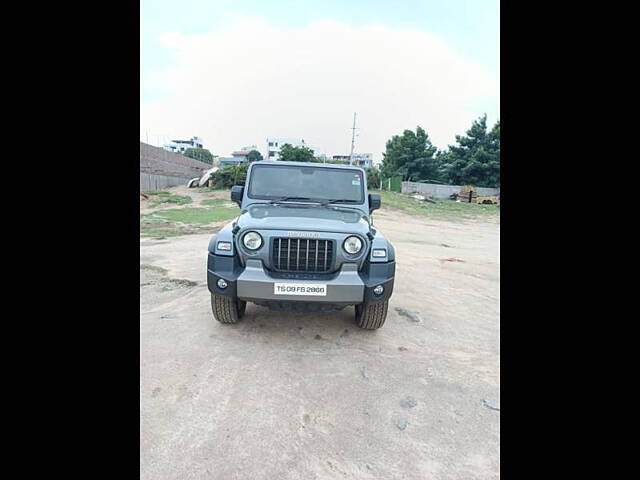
311,396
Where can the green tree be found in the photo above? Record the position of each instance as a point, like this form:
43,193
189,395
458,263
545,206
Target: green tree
201,154
442,159
290,153
230,175
373,178
411,156
475,160
254,156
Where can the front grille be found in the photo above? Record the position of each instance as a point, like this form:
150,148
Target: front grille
302,255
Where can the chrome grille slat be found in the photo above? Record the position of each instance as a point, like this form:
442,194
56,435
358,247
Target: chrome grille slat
317,255
325,254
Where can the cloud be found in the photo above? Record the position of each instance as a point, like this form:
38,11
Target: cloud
249,80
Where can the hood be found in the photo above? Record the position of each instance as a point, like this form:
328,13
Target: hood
304,218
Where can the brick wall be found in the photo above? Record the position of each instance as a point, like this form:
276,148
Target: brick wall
157,161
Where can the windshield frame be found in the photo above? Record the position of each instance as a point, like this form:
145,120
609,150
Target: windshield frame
361,201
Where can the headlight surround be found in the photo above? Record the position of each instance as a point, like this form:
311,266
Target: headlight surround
252,240
352,245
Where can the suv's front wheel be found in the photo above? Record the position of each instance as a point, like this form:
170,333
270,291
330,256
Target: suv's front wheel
372,316
227,309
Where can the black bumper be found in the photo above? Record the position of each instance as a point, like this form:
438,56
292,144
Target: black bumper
374,274
227,268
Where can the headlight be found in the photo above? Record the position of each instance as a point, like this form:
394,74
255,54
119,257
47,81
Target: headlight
252,240
352,245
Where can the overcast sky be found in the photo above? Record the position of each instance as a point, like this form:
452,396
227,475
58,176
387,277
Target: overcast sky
237,72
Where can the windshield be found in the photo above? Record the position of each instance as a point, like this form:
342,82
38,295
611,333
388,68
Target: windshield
293,183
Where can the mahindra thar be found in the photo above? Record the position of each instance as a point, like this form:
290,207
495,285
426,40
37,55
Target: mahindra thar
304,240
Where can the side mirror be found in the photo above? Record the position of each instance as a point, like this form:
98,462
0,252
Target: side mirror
374,202
237,191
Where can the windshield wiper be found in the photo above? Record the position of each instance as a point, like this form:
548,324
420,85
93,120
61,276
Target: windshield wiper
321,202
339,200
285,199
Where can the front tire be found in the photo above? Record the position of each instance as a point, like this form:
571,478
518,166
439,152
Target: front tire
372,317
226,309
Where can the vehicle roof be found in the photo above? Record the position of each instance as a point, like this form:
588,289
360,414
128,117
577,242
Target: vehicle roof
307,164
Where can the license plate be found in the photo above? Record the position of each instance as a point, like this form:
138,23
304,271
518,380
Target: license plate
314,289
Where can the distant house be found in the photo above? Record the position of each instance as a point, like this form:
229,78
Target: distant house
180,146
364,160
225,161
274,144
243,152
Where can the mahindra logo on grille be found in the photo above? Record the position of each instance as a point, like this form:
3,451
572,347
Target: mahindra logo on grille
303,234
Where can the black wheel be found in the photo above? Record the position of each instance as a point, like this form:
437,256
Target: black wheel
227,309
373,316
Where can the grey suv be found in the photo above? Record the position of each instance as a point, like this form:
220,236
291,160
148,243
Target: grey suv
304,240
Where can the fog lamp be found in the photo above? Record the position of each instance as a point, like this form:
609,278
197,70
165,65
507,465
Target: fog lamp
378,290
222,283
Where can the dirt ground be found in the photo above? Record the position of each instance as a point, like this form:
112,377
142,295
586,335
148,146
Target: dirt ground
311,396
196,197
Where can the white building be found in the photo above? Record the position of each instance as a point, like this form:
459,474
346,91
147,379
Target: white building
180,146
225,161
244,152
274,144
364,160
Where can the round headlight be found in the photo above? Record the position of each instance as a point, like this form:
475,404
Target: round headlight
352,245
252,240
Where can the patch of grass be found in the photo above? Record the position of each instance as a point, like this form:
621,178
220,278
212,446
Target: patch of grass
198,216
174,222
177,199
447,209
157,192
218,202
146,220
193,216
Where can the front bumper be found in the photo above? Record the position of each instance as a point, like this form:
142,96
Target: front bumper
348,286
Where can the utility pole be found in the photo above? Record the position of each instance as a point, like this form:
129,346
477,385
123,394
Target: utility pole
353,139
